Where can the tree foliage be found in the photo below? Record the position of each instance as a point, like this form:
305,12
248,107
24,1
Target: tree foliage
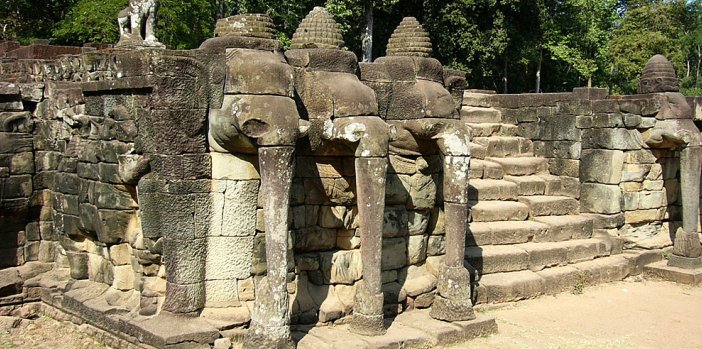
24,20
90,21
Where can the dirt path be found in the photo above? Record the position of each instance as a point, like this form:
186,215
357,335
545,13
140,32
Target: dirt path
623,315
632,314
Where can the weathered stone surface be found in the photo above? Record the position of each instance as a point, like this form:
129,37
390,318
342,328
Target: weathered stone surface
601,166
394,253
258,72
342,267
612,138
601,198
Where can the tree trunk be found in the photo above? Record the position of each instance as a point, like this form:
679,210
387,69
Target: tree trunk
221,8
589,82
699,60
367,43
687,75
537,89
504,78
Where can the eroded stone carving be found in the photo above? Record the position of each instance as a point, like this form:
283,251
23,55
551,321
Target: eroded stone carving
258,115
424,112
344,110
675,129
136,25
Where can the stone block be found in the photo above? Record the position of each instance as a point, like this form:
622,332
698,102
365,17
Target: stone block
123,278
436,245
612,138
341,267
651,199
234,166
314,239
239,210
635,172
558,128
258,72
601,166
491,211
540,205
221,293
560,279
228,258
643,216
422,192
395,221
545,254
417,249
564,167
605,120
601,198
332,216
394,254
172,132
121,254
245,289
326,94
185,260
507,287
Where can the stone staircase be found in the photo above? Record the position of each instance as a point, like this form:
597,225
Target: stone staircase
526,235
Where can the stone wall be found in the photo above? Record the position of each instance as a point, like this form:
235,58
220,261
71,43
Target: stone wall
19,242
594,144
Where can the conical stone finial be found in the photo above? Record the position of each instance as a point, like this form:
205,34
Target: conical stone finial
658,76
409,39
254,25
318,30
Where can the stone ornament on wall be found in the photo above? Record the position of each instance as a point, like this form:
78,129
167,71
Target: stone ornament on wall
675,129
136,25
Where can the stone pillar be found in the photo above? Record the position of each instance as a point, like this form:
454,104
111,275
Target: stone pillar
371,136
687,250
453,301
270,319
370,189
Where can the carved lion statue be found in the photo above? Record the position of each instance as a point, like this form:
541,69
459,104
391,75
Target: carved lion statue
136,22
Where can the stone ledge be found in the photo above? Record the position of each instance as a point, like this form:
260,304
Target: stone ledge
684,276
413,329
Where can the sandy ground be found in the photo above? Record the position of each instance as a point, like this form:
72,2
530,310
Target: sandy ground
638,314
629,314
46,333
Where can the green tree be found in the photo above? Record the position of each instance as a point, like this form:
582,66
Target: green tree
648,27
24,20
90,21
185,24
577,32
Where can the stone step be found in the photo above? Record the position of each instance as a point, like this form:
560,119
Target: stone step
485,169
478,151
546,205
411,329
529,185
491,189
563,228
520,166
503,233
490,129
502,146
479,115
493,211
525,284
533,256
